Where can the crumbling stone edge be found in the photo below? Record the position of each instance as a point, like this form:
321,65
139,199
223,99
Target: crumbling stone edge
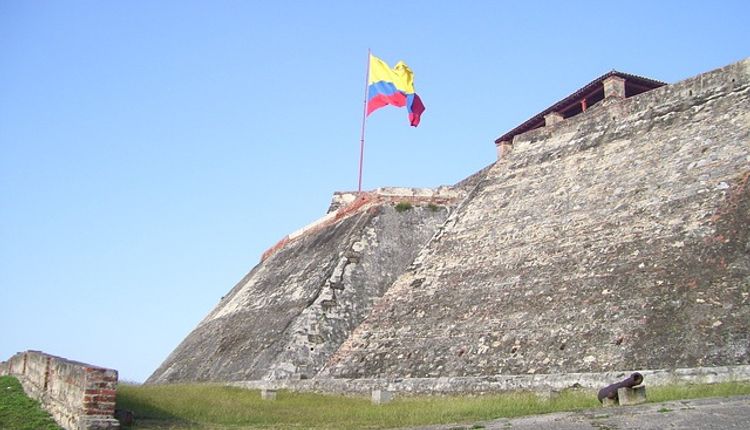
502,383
347,203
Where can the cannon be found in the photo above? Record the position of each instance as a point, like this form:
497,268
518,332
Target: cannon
610,391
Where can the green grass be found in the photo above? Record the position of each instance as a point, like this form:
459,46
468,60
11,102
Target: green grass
403,206
220,407
212,406
18,411
696,391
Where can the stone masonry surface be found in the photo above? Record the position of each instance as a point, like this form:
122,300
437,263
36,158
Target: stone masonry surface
617,239
79,396
292,311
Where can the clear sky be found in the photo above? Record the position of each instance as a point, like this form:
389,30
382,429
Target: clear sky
150,151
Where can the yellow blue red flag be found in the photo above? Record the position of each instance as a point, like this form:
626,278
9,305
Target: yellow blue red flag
386,86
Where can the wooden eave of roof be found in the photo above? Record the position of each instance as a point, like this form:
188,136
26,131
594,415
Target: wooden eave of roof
645,84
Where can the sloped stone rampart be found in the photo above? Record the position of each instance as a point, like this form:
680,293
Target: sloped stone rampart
294,309
615,239
79,396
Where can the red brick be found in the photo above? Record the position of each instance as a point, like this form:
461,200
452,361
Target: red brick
99,398
107,399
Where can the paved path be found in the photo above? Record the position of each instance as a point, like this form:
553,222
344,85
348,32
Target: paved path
700,414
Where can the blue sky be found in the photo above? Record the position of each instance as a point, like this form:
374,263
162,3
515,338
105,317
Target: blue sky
150,151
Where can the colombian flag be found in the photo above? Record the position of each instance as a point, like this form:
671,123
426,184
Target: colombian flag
386,86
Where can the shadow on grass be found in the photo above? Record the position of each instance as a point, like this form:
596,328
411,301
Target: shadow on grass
146,415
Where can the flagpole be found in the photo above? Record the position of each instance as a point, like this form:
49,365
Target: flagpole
364,118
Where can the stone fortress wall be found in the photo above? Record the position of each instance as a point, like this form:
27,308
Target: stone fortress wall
616,239
79,396
294,309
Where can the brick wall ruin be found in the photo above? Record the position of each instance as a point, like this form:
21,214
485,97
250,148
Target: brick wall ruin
77,395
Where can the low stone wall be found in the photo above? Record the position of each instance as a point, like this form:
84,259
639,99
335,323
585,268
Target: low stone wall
79,396
504,383
440,195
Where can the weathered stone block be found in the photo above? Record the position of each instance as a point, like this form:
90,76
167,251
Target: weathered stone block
553,118
547,395
614,86
503,149
631,396
99,423
381,396
268,394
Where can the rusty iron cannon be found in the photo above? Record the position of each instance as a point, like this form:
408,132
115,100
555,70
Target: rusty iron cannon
610,391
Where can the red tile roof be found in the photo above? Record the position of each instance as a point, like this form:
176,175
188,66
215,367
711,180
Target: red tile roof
593,92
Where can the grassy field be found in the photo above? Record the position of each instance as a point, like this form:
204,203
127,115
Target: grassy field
219,407
19,412
685,392
181,407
